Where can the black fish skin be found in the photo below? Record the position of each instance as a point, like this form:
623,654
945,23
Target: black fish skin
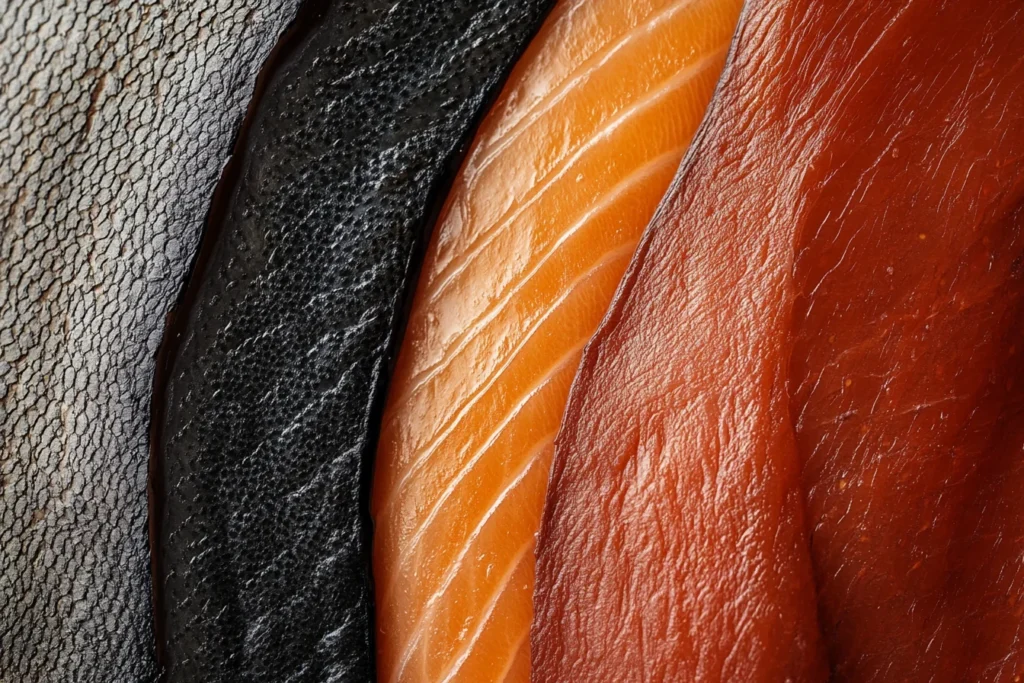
279,358
116,119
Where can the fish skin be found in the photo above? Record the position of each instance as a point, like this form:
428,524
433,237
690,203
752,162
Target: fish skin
116,119
279,365
804,239
563,176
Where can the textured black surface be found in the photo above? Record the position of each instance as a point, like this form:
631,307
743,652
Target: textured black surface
279,362
116,118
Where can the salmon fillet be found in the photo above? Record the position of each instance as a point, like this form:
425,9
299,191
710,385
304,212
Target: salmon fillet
821,331
563,176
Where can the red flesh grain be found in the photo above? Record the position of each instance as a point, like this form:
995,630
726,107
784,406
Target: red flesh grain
821,331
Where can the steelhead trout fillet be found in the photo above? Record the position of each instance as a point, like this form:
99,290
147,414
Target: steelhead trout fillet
563,176
821,332
279,356
116,119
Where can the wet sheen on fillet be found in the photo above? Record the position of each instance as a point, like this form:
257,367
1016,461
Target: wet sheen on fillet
821,332
563,176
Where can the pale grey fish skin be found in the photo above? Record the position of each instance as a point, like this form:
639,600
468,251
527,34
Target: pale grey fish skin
116,119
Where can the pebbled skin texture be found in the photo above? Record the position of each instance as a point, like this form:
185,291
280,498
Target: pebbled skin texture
278,374
115,121
821,330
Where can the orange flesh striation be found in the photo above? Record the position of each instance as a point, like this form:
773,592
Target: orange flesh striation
565,173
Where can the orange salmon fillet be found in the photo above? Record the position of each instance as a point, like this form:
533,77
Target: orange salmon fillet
564,175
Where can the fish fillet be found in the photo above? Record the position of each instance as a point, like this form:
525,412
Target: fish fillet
821,331
564,174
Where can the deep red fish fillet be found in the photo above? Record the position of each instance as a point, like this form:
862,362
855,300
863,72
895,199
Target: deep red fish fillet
822,331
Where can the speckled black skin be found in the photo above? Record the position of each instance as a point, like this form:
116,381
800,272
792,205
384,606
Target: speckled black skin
278,360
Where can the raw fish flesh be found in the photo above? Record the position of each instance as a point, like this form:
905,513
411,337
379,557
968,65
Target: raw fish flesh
564,174
821,332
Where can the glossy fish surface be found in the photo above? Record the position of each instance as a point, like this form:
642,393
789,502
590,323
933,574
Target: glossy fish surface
793,450
564,174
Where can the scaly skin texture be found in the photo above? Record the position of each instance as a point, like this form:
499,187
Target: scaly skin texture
272,406
115,121
828,308
564,175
